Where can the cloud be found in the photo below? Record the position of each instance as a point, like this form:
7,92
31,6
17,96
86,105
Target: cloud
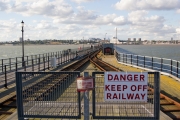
44,7
87,17
4,5
80,1
45,25
147,4
148,25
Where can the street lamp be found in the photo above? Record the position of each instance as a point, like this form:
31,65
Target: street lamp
83,43
22,23
116,38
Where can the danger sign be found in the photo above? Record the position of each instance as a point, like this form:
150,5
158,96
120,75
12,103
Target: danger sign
122,86
84,83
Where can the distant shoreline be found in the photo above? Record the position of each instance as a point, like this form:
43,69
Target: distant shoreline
36,44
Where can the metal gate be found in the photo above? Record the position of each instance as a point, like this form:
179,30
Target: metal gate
54,95
125,109
48,95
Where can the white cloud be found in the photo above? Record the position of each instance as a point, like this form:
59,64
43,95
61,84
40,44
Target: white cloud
147,4
178,10
4,4
144,25
44,7
80,1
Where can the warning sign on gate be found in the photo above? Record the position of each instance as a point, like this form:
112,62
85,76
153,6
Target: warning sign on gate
84,83
122,86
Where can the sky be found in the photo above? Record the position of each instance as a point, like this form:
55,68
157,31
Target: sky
84,19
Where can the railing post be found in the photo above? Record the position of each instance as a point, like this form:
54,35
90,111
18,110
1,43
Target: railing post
16,60
137,60
58,54
9,63
58,58
32,64
44,63
39,64
86,101
131,59
126,58
144,62
27,60
5,76
24,65
123,57
161,63
152,63
48,62
66,58
36,58
61,58
48,54
171,66
22,61
177,69
16,66
119,57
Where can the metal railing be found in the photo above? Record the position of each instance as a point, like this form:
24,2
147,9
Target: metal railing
160,64
11,62
40,62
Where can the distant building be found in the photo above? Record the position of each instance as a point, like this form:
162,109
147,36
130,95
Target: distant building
134,40
128,42
139,41
20,39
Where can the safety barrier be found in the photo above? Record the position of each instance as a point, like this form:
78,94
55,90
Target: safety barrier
55,95
161,64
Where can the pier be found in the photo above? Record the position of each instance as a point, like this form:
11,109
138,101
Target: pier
93,61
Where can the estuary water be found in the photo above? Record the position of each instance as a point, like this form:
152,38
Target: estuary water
161,51
7,51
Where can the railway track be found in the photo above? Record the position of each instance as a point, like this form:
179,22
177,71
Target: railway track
42,89
167,105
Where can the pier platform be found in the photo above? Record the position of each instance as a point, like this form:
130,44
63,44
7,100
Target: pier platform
90,68
165,83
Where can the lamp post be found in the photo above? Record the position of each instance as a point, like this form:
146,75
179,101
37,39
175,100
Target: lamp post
22,23
116,38
83,43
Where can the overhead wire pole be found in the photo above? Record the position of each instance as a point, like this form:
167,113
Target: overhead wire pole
105,36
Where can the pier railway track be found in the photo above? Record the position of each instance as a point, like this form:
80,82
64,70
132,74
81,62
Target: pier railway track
8,106
42,88
167,105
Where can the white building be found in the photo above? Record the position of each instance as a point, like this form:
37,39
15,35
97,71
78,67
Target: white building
114,40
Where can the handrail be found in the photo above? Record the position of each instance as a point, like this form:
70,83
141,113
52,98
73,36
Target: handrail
160,64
